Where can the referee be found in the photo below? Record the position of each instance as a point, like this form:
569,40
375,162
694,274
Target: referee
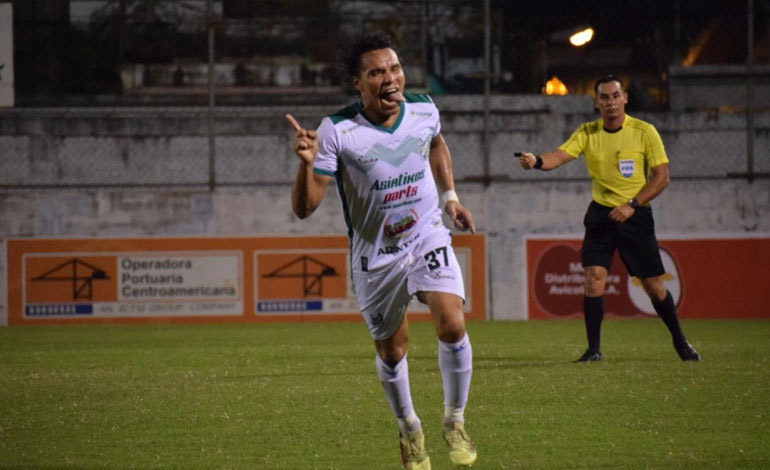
628,167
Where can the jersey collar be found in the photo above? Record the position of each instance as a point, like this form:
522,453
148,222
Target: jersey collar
389,130
625,119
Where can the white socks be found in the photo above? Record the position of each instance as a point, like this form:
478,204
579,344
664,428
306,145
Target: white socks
456,363
395,382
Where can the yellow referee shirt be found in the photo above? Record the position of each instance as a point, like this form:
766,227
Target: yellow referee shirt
618,161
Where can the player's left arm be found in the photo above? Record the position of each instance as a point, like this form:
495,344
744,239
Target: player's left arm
441,166
655,185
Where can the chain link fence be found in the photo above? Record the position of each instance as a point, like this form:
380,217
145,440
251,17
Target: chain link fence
193,92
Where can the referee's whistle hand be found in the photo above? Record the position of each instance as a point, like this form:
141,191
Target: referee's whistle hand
526,160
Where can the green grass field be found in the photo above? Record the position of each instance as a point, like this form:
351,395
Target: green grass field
306,396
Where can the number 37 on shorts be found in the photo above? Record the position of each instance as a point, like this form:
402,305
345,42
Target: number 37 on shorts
436,257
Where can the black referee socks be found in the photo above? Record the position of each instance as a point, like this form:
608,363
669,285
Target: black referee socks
666,310
594,313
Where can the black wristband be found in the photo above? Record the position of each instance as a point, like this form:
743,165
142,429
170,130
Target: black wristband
538,163
633,203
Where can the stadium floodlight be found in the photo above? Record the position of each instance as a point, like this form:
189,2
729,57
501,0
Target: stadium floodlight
582,37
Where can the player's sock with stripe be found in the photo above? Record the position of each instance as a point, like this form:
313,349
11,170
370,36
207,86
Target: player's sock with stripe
455,360
593,308
666,310
395,382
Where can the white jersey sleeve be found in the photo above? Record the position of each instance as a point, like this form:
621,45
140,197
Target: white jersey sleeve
328,149
437,125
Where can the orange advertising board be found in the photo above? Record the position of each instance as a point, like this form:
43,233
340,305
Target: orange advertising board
200,279
707,277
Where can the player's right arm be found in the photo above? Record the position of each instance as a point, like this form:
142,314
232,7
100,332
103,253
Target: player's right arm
551,160
309,187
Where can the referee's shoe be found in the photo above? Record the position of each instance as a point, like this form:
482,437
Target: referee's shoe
687,352
591,355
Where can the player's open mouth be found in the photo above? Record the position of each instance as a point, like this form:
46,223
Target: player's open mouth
392,96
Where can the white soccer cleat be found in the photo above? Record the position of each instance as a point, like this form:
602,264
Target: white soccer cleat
462,450
413,453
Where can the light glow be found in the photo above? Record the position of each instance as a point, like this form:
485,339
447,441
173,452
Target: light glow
581,37
554,86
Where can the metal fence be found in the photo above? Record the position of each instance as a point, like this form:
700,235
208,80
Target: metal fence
192,92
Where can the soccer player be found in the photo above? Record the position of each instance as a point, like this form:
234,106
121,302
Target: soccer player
628,167
386,155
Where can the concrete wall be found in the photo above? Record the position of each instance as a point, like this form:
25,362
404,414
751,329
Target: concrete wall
169,146
718,86
506,211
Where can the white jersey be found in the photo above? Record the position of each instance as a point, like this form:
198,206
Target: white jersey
383,178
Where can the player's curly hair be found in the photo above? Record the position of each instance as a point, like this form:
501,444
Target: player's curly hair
366,43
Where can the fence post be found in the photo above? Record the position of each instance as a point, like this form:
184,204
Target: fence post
750,92
487,79
211,105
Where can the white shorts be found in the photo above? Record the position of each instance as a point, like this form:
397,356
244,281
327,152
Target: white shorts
384,292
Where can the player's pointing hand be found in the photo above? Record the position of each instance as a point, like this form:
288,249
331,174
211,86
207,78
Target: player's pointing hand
305,141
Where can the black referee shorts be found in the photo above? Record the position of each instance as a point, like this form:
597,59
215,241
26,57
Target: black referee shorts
634,239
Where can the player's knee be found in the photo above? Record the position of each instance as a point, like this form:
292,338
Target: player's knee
392,355
392,350
451,327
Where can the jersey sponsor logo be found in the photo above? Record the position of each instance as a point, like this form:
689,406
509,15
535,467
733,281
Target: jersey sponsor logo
393,249
395,182
390,250
350,129
443,273
400,224
407,192
627,167
365,161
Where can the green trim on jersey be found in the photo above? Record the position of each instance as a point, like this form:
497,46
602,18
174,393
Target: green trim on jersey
389,130
322,172
417,98
348,112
